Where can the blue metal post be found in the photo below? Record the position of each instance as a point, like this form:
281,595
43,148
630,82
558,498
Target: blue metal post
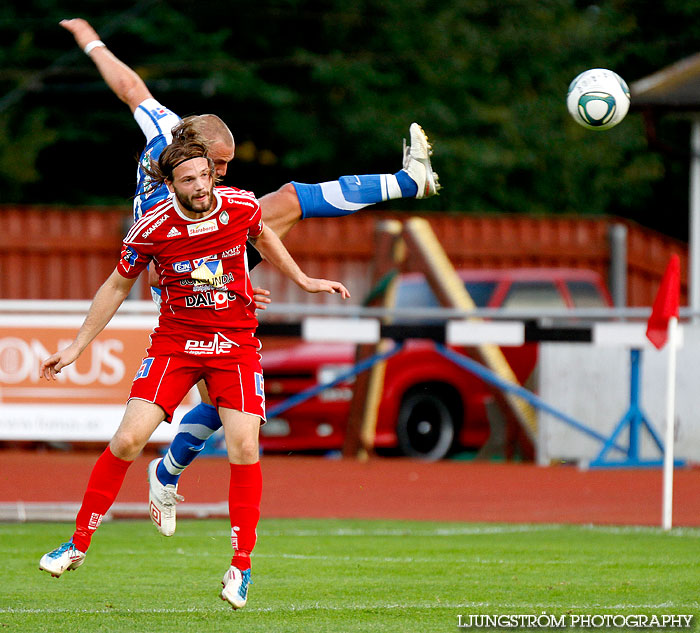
635,421
636,415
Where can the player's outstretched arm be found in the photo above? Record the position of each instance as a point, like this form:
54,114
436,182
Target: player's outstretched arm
272,249
123,81
106,302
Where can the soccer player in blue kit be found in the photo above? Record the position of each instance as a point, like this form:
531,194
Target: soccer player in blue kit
281,210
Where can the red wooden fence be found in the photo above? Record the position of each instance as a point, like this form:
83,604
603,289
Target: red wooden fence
50,253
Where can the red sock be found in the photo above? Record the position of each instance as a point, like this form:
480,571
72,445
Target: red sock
105,481
244,494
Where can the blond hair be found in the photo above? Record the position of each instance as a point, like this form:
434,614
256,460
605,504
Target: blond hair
208,128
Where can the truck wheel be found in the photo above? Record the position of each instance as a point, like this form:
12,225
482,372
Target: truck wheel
425,427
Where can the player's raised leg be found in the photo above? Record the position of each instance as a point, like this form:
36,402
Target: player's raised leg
140,420
295,201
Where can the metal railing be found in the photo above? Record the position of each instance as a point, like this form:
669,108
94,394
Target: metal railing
290,310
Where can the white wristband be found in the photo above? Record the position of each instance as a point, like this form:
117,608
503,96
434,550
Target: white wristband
91,45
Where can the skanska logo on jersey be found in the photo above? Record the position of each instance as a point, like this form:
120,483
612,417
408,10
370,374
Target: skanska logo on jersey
154,226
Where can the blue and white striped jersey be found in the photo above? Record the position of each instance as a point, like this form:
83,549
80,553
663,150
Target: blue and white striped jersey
156,122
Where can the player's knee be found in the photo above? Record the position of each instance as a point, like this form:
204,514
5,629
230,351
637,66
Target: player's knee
287,191
246,451
281,203
126,445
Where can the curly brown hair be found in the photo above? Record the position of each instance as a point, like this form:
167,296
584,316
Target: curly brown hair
183,148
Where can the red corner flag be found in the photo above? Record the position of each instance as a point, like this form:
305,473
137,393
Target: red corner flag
666,303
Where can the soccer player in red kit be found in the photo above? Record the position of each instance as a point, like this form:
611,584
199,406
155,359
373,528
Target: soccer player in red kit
196,241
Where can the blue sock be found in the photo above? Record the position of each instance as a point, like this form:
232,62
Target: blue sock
352,193
196,427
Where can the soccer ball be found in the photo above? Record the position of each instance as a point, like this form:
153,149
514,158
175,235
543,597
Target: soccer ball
598,99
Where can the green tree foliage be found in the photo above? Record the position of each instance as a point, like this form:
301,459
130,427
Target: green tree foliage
317,89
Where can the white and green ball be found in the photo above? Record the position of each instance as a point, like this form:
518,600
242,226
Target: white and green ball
598,99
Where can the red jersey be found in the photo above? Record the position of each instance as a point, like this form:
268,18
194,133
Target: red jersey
202,267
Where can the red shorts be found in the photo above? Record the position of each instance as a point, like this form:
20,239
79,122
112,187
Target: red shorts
234,380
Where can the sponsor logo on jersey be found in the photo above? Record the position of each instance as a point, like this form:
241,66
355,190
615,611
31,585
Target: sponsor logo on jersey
200,286
173,232
146,190
196,285
260,385
155,225
146,158
218,345
159,113
231,252
222,281
243,203
221,299
182,267
207,226
129,257
217,299
210,272
145,368
223,217
198,261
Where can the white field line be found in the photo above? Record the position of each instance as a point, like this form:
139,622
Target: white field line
398,560
402,560
457,530
641,529
56,511
485,530
523,606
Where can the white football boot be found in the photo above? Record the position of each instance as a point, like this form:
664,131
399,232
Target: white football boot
162,500
416,162
65,557
235,590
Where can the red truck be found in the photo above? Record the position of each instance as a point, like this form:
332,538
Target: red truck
429,406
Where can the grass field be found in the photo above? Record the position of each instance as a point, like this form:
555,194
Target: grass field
334,576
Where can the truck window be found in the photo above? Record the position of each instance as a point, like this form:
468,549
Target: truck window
414,294
585,294
533,294
480,291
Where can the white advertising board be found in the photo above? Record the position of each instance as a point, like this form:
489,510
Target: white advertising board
87,400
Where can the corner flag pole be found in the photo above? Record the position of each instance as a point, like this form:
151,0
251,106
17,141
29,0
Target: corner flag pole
667,501
663,327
